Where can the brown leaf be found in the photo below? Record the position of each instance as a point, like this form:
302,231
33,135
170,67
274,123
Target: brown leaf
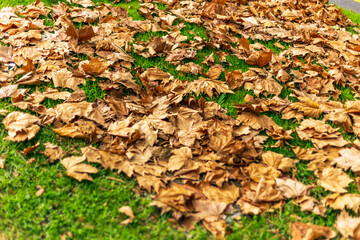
86,33
78,170
95,67
190,67
63,78
216,228
80,129
128,212
260,58
234,79
21,126
227,193
207,86
53,152
308,231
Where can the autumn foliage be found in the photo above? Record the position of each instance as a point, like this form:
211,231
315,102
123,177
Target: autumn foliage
171,135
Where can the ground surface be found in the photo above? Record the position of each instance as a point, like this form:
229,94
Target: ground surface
348,4
89,210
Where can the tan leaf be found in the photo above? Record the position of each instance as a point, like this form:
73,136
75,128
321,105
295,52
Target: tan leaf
277,161
338,202
266,191
207,86
214,72
63,78
257,171
105,158
21,126
2,160
190,67
128,212
291,188
40,191
6,54
350,159
227,193
69,111
80,129
78,170
334,179
84,3
308,231
348,226
208,210
216,228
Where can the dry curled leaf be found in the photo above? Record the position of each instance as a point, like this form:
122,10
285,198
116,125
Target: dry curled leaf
21,126
260,58
128,212
307,231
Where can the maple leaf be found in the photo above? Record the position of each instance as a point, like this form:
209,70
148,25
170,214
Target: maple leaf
340,202
207,86
349,159
334,179
291,188
78,170
348,226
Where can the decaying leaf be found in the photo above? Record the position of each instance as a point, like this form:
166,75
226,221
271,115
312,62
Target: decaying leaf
307,231
348,226
53,152
334,179
128,212
21,126
78,170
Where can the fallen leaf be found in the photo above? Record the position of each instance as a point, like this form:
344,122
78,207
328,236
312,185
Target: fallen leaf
78,170
334,179
308,231
348,226
260,58
128,212
21,126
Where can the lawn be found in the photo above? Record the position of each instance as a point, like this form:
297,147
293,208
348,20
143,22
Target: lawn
89,210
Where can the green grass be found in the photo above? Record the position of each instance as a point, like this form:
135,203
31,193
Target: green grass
89,210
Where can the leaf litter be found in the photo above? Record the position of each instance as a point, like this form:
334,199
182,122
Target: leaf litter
200,163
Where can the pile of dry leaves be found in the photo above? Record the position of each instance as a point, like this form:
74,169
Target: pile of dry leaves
200,163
